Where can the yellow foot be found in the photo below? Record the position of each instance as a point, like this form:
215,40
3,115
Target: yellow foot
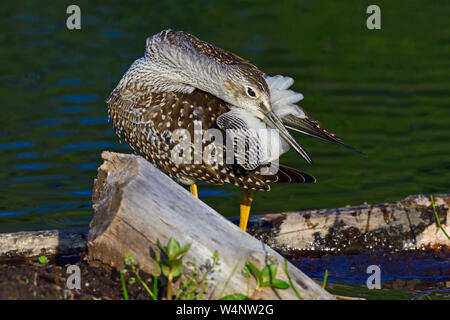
246,203
194,190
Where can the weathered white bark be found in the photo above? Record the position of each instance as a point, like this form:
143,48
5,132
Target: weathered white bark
35,243
402,225
135,205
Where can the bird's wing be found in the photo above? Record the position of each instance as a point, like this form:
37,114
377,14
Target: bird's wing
295,117
149,122
120,107
146,122
246,146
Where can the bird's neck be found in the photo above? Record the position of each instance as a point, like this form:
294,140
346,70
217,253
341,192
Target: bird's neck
178,72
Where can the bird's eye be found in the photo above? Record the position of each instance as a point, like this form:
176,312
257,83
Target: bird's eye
250,92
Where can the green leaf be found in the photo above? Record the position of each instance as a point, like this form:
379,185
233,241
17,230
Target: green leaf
171,268
129,259
43,259
279,284
161,247
273,270
255,271
165,269
268,273
172,248
183,250
235,296
265,275
176,268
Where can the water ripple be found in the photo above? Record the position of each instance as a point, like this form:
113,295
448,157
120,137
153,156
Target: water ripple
80,98
16,145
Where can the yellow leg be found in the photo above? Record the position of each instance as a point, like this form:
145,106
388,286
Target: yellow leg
246,203
194,190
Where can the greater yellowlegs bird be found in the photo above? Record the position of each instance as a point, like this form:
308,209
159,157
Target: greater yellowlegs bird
183,84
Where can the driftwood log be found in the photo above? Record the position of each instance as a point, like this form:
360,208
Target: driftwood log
409,224
135,205
36,243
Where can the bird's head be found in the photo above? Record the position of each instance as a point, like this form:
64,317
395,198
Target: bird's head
248,90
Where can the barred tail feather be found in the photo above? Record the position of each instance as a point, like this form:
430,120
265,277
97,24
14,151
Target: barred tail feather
291,175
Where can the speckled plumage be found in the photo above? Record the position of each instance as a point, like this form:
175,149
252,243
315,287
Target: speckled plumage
147,124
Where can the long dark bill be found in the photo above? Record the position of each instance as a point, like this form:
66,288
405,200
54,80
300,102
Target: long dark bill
312,127
271,119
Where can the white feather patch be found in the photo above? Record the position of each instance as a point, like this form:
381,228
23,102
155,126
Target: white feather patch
271,145
282,99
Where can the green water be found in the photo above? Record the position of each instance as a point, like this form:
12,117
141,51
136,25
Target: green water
385,92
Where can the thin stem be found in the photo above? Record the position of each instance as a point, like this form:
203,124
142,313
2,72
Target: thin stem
138,277
437,218
155,276
124,286
182,287
169,288
290,280
325,277
202,292
255,293
229,278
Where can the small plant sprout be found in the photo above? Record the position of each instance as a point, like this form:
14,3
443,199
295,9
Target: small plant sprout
172,265
130,263
42,259
194,284
264,278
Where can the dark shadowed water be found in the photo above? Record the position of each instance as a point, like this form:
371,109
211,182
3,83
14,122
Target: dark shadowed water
385,92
